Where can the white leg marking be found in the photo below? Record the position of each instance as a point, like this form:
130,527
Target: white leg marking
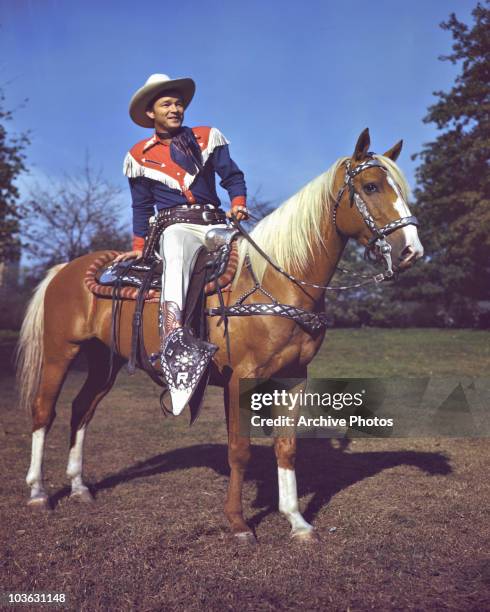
35,474
288,502
75,464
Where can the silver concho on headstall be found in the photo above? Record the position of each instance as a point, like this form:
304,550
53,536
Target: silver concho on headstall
184,360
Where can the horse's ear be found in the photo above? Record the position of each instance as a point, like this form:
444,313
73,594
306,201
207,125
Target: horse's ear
394,152
362,145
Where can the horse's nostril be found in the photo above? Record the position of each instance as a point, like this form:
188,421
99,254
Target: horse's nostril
407,257
407,251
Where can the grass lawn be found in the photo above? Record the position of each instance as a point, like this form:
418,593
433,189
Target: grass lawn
380,352
403,524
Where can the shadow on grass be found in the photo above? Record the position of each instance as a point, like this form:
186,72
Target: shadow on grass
322,470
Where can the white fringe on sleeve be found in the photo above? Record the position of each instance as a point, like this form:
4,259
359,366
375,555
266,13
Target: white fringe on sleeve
216,139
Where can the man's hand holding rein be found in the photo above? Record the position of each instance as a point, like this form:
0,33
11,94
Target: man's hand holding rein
239,212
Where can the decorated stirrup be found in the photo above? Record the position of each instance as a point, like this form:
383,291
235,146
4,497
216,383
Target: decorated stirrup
184,360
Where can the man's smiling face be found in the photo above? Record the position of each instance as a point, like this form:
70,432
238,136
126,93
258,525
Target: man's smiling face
167,112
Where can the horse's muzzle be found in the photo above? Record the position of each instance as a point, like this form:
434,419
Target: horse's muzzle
409,256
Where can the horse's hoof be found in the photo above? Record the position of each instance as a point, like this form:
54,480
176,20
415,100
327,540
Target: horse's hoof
39,502
245,538
307,536
83,496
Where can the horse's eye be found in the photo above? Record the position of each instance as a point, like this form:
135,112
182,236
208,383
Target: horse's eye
370,188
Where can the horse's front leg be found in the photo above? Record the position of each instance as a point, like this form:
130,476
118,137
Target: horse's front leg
285,449
238,458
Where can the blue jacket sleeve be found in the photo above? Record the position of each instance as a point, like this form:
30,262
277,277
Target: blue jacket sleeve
143,204
232,178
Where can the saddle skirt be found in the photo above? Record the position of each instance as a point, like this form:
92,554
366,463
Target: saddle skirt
104,278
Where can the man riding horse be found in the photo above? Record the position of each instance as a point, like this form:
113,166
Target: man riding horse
174,170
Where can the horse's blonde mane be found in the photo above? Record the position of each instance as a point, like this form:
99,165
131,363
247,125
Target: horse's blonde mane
291,233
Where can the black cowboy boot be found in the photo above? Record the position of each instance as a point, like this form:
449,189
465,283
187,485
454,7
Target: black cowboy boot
184,358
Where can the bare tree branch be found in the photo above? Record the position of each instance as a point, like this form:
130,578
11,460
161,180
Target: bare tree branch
75,215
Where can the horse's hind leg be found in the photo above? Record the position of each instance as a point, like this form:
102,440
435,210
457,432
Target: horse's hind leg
99,382
54,370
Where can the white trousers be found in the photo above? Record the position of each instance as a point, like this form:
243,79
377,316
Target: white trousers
179,245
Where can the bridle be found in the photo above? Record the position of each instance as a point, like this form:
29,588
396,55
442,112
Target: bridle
377,247
314,321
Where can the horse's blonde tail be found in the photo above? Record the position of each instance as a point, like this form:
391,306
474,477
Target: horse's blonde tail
29,350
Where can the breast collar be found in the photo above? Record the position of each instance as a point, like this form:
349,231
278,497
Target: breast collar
377,247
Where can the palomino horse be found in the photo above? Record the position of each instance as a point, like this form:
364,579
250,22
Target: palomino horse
305,236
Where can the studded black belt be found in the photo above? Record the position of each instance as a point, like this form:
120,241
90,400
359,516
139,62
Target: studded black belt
200,214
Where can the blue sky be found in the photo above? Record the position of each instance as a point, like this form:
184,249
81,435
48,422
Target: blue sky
291,84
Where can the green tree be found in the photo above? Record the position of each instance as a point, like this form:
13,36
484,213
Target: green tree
12,164
453,193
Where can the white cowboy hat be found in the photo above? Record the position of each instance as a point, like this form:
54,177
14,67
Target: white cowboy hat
158,83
